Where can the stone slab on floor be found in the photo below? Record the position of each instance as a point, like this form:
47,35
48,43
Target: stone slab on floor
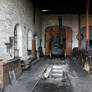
26,82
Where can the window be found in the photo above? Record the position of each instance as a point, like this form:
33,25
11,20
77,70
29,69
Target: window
17,41
29,42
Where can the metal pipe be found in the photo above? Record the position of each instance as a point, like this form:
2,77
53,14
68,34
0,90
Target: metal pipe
60,23
87,22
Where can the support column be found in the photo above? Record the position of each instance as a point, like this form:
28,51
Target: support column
87,22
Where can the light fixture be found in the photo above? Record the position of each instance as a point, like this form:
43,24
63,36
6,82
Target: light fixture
45,10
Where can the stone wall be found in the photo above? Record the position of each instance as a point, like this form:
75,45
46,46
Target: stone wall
67,20
14,12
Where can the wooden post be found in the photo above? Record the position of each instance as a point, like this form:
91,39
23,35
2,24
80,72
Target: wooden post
33,49
87,22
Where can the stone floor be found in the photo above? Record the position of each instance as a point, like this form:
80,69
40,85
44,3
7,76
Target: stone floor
26,82
81,80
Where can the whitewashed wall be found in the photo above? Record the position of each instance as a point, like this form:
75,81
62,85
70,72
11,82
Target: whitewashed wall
14,12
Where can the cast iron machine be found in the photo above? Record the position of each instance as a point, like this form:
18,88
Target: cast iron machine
58,44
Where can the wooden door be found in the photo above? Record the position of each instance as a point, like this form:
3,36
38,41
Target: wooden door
68,49
53,31
50,31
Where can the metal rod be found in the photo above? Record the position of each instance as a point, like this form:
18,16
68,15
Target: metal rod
39,79
79,33
60,23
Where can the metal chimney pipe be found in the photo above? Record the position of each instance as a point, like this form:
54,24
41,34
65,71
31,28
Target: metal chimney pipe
60,23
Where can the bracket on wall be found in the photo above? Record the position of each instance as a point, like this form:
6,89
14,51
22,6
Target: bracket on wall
9,45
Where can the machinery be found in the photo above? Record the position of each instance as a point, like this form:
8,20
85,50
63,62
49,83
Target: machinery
57,45
86,53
